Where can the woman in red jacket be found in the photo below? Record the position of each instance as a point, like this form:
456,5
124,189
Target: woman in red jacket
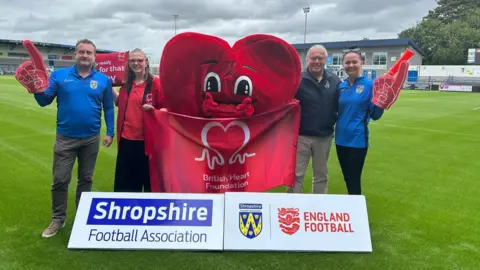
140,93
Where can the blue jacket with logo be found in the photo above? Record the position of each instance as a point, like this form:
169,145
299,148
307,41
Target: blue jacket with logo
355,109
80,102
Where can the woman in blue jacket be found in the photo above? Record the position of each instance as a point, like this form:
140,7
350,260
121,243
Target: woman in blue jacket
355,109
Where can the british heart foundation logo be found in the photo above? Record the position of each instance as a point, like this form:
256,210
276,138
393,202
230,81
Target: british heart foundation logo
289,220
214,156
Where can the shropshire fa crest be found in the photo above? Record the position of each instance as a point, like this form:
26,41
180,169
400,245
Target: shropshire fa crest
93,84
359,89
250,220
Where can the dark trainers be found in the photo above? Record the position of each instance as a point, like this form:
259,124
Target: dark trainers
52,229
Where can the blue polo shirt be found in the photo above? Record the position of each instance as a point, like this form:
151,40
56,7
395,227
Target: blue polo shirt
80,102
355,109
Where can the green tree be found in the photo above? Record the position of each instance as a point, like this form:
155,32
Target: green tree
473,18
447,32
455,40
448,11
426,35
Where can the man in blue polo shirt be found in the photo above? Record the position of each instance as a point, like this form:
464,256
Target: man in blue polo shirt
81,94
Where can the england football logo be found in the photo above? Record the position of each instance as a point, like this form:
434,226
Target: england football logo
289,220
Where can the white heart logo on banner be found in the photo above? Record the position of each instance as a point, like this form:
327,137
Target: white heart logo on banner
218,158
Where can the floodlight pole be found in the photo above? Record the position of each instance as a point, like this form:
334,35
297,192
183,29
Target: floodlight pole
306,10
175,17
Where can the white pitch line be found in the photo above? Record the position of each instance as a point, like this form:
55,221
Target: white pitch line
476,109
430,130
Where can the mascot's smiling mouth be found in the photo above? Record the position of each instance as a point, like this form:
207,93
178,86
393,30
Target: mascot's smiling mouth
210,108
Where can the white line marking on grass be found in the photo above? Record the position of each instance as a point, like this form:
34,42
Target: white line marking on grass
430,130
412,92
476,109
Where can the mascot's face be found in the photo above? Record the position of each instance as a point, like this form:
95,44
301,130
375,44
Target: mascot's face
203,76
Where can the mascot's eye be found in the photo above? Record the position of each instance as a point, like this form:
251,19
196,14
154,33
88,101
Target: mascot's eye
212,83
243,86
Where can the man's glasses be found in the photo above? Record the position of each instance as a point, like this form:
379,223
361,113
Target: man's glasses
319,58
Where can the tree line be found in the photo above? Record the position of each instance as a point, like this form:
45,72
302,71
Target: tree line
447,32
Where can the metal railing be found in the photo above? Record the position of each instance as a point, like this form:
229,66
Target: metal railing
434,82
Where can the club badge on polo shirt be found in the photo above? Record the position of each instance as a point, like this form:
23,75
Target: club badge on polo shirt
93,84
359,89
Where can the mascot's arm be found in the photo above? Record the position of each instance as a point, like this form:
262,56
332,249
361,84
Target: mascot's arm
158,96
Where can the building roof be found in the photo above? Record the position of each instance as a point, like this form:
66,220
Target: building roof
47,45
363,43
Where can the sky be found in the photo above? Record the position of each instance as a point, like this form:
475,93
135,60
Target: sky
123,25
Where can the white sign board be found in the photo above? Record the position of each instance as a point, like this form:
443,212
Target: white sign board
107,220
471,56
456,88
296,222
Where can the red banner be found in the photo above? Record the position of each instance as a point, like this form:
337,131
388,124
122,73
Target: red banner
113,65
201,155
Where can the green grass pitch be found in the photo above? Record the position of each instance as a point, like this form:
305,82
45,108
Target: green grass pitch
421,181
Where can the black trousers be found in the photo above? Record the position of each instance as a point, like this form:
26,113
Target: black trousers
351,161
132,173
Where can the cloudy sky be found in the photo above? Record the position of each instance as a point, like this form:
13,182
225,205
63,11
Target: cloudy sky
148,24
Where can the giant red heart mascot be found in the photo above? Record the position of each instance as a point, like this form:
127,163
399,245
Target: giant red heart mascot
203,76
232,121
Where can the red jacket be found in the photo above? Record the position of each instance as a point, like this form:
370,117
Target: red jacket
156,97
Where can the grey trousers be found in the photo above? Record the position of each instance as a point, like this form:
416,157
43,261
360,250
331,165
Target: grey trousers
318,148
66,151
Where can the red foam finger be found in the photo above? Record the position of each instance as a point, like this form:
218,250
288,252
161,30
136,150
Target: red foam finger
376,84
382,91
30,69
31,78
23,65
23,72
22,76
389,81
35,55
39,84
382,82
401,76
21,79
383,99
405,57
